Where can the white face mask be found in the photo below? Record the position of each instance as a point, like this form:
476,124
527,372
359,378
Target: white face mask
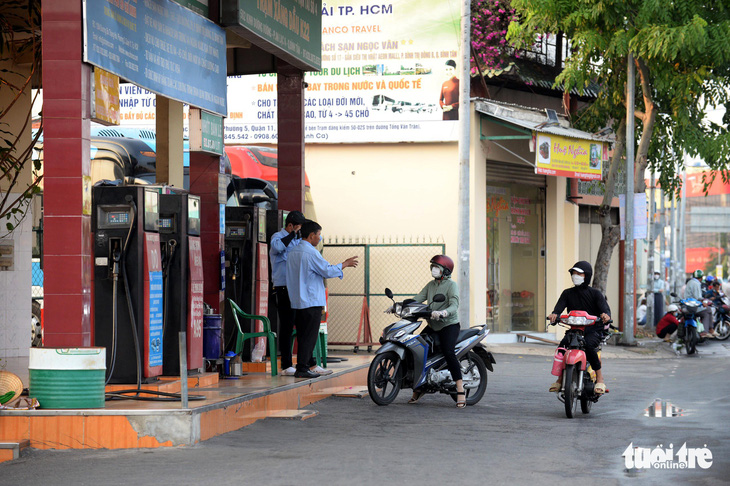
435,272
656,277
577,279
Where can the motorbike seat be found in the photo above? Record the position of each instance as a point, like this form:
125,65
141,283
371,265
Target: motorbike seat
466,334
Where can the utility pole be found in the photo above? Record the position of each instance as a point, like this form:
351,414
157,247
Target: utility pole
650,259
682,239
673,244
629,314
663,239
463,241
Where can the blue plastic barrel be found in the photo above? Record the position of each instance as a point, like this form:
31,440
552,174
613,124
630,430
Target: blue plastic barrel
212,332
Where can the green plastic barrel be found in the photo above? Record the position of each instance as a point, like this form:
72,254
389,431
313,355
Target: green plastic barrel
67,377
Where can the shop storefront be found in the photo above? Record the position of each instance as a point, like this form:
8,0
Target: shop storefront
531,224
515,225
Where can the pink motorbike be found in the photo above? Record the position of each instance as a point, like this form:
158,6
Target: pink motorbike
570,362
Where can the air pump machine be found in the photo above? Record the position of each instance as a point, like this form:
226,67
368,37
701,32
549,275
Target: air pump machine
128,281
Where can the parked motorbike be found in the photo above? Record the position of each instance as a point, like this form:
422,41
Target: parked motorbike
722,317
409,360
689,323
571,363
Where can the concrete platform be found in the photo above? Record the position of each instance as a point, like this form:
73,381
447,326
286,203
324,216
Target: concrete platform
228,404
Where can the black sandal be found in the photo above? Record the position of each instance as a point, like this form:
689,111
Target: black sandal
416,396
458,403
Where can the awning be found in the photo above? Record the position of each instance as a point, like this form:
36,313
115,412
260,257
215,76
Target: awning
533,120
559,149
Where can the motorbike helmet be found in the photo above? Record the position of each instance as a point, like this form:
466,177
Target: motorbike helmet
444,262
698,273
672,308
709,279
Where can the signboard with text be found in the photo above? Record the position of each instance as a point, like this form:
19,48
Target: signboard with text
290,29
161,46
206,132
569,157
387,76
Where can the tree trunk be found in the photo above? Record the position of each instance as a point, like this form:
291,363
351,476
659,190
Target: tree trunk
610,233
648,119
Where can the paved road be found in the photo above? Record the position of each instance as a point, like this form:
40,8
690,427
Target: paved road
518,434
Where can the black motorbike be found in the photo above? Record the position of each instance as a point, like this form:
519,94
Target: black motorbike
410,360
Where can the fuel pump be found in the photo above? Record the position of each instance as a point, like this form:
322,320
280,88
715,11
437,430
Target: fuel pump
182,274
246,281
128,281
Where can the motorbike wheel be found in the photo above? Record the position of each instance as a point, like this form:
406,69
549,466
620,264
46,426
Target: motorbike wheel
571,390
477,374
585,403
723,329
384,378
691,340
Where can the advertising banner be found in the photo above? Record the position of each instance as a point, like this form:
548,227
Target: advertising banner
569,157
389,74
161,46
105,106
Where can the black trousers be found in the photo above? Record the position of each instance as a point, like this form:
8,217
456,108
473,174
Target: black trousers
593,340
447,340
669,329
286,325
307,324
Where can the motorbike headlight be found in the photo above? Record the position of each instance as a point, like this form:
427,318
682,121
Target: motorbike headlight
399,334
406,311
578,321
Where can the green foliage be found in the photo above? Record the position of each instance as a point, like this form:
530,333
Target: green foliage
685,46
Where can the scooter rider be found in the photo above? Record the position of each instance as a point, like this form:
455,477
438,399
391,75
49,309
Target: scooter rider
585,298
444,320
694,291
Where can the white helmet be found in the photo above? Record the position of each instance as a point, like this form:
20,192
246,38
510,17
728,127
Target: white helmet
672,308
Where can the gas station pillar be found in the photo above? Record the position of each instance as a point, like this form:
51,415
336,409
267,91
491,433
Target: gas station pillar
67,186
290,104
204,176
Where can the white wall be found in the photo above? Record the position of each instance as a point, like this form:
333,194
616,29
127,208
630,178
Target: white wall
590,240
15,304
386,190
15,284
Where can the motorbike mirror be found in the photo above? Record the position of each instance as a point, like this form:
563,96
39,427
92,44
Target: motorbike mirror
439,298
389,293
672,294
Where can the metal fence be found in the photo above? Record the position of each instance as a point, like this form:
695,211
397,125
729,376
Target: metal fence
359,299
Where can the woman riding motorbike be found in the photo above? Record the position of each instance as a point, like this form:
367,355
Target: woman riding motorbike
444,321
585,298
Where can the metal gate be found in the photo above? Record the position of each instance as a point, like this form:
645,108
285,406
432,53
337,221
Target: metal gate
356,303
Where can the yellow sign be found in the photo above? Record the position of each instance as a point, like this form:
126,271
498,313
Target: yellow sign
570,157
105,109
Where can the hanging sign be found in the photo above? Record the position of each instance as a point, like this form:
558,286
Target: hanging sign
570,157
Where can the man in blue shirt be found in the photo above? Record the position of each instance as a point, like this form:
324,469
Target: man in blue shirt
281,243
306,270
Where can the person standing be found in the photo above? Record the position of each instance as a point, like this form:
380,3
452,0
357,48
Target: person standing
694,291
306,270
281,243
658,289
449,98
